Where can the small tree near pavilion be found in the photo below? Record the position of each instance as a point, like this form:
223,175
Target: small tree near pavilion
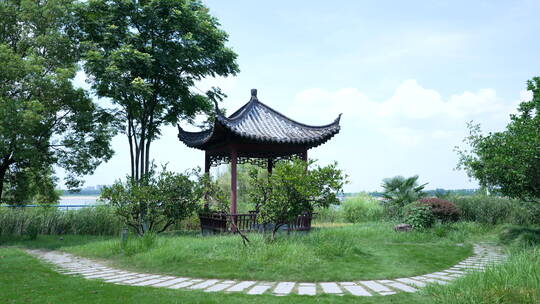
293,189
161,200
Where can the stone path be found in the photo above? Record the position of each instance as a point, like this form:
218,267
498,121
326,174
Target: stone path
68,264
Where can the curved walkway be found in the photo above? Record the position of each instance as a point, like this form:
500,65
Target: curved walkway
73,265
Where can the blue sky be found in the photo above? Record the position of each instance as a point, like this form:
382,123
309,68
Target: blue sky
407,76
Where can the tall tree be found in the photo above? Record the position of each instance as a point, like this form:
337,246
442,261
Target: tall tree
44,120
146,55
508,161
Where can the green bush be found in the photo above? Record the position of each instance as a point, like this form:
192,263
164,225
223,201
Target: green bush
190,223
30,222
361,208
521,236
497,210
418,216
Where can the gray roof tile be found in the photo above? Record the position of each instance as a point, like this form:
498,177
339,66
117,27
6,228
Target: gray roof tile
260,123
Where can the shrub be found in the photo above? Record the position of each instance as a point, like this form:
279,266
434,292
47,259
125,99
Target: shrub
361,208
398,192
295,188
496,210
190,223
522,236
441,209
418,216
156,202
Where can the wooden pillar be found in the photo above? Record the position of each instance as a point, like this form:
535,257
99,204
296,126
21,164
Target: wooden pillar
234,159
270,165
207,163
304,156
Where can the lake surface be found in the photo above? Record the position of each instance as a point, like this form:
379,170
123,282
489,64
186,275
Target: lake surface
74,200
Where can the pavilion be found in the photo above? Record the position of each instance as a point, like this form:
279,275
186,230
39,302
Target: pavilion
256,134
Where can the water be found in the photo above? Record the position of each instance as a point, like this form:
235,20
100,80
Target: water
76,201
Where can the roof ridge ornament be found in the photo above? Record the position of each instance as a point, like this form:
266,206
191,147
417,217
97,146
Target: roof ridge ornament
218,111
254,94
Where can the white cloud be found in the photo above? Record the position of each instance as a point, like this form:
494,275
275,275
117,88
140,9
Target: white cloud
417,43
409,116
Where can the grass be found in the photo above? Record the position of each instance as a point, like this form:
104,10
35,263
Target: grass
24,279
354,252
516,281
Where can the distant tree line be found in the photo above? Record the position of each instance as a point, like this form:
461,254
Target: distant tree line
434,192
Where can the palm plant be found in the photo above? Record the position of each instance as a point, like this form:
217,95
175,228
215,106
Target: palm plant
400,191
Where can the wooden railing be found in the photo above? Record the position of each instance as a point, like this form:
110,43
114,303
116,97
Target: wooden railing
246,222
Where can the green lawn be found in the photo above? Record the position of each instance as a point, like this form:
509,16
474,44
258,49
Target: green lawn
364,251
24,279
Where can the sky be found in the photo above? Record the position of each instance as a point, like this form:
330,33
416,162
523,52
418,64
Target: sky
407,76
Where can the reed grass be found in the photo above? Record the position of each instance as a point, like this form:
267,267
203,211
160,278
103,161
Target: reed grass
30,222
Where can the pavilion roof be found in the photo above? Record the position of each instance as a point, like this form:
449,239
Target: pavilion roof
257,122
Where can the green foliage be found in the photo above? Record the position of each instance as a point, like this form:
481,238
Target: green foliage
30,185
294,189
361,208
443,210
44,120
497,210
215,197
521,236
398,192
155,202
508,161
419,216
244,185
332,214
146,56
30,222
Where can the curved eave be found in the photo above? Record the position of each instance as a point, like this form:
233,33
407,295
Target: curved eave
195,139
309,136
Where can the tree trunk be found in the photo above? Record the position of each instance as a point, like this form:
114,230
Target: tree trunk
4,166
147,157
131,155
3,169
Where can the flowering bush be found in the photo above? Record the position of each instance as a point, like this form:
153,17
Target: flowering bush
441,209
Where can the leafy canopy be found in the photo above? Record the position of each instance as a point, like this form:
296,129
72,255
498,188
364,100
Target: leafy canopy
146,56
508,161
44,120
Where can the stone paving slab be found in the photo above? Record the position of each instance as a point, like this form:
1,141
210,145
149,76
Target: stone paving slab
241,286
259,289
170,282
331,288
484,256
354,289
